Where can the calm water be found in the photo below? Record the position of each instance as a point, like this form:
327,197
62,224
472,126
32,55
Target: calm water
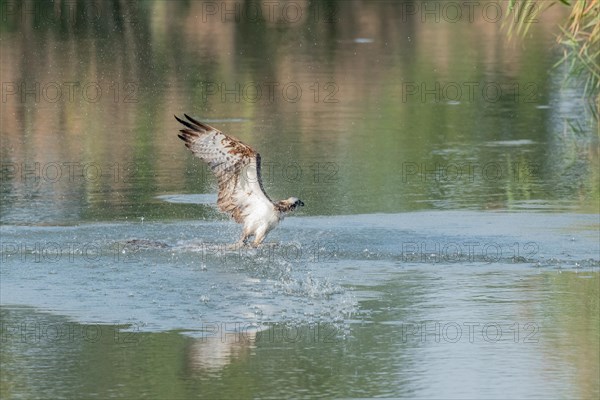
450,243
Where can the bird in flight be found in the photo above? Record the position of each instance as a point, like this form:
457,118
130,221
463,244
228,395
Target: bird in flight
237,168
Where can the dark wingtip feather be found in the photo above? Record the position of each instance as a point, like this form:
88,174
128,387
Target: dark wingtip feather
177,118
192,119
198,123
187,135
187,124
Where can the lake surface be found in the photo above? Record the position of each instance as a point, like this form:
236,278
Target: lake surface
450,242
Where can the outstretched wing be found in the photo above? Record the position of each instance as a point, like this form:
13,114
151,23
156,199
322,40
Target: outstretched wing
235,164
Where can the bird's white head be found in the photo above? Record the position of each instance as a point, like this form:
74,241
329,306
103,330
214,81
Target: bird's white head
289,204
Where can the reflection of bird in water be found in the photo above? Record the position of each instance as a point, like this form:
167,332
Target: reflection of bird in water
237,168
213,353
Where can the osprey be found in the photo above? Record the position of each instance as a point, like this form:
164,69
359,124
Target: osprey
237,168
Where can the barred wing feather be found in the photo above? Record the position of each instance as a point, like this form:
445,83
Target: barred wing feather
235,164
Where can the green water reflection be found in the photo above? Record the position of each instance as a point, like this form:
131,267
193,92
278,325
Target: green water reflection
371,110
49,355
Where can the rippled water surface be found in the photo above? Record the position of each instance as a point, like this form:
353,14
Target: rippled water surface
449,246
